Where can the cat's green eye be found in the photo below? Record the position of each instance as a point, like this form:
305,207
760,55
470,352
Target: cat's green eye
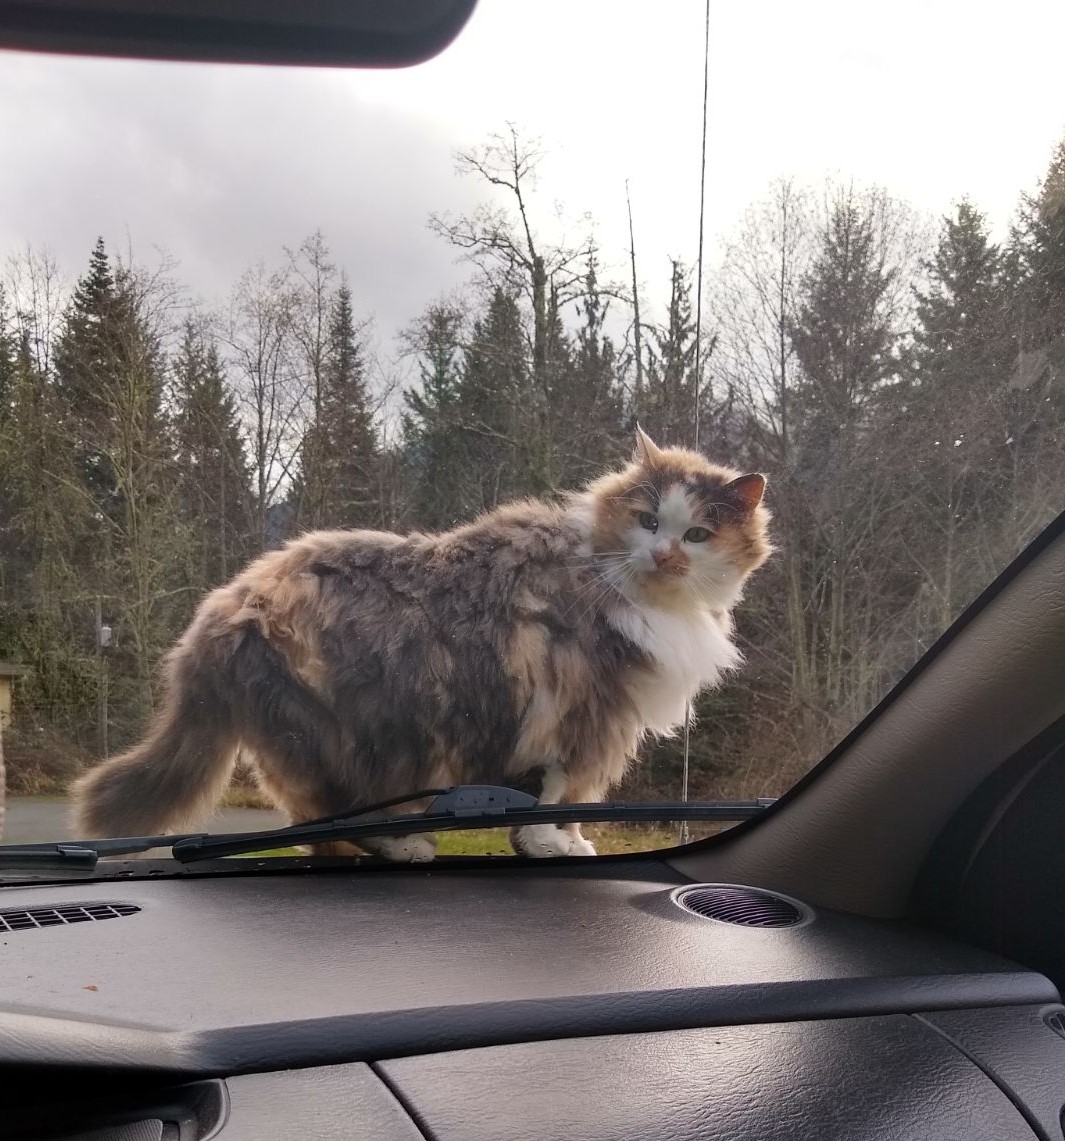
696,535
648,521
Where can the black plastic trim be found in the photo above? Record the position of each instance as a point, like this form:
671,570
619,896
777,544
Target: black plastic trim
1044,539
393,35
28,1040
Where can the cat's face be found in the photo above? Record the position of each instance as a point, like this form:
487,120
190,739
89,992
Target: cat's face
673,528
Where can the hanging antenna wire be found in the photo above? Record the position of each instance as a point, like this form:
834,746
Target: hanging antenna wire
684,833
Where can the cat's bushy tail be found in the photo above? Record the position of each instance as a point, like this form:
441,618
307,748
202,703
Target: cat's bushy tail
177,773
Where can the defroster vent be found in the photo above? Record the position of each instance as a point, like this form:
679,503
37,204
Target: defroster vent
32,918
744,906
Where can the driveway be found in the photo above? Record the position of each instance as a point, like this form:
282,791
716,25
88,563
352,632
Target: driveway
37,819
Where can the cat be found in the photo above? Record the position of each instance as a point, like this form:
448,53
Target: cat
542,642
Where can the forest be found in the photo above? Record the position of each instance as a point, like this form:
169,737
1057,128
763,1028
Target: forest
899,379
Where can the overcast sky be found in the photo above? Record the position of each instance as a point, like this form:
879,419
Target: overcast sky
225,165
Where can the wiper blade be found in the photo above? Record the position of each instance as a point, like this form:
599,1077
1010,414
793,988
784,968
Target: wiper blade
77,855
462,807
83,855
453,809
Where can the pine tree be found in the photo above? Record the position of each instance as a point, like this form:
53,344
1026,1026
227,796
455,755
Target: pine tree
1040,239
109,370
8,444
495,411
1034,421
845,336
213,492
587,401
86,357
431,437
343,489
668,412
843,333
8,344
1037,254
43,516
335,482
541,398
953,407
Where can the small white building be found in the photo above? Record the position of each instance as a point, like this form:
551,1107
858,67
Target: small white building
8,673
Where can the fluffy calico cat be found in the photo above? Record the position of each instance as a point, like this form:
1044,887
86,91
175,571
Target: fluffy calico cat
539,642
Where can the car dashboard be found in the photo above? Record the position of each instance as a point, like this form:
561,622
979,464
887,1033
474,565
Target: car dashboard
566,1001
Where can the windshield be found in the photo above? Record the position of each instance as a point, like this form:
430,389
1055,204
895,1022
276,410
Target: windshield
249,314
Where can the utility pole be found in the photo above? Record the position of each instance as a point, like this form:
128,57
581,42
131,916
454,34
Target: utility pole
637,403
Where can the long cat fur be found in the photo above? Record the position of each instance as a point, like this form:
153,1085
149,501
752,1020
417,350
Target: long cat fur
543,639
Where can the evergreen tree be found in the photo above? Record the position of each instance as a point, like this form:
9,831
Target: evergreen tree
342,480
668,412
109,370
845,336
43,515
1040,241
7,444
431,436
587,403
494,410
8,344
86,358
953,406
213,493
1034,422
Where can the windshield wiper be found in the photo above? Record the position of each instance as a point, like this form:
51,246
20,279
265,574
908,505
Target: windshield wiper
82,855
453,809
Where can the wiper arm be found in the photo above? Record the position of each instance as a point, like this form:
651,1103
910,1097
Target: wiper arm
83,855
458,808
453,809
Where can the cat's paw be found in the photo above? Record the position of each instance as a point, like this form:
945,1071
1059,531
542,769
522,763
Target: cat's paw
406,849
545,840
583,847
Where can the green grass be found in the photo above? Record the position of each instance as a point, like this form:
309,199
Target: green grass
270,852
609,839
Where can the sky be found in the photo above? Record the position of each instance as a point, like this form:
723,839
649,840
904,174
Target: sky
222,166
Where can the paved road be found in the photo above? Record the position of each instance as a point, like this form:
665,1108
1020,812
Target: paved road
33,819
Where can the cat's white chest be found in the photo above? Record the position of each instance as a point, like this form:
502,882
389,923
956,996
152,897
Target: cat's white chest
689,652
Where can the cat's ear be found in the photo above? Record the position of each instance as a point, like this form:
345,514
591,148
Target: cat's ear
745,493
646,450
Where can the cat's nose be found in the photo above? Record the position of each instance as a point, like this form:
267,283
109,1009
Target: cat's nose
662,554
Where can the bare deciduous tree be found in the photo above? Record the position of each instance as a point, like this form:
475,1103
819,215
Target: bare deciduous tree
271,387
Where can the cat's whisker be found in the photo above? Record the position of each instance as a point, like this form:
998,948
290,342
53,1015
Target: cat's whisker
590,556
602,561
598,599
600,569
596,582
580,595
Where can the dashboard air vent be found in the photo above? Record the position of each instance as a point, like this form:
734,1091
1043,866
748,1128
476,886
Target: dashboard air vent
35,917
745,906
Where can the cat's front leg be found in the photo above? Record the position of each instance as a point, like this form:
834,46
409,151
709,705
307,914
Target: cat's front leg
581,845
418,848
546,840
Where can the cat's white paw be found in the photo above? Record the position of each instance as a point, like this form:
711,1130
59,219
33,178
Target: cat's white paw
583,847
406,849
545,840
